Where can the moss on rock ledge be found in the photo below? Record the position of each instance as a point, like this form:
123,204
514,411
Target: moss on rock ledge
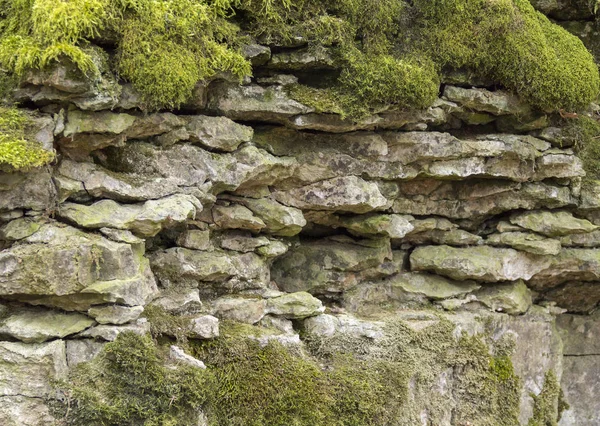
388,52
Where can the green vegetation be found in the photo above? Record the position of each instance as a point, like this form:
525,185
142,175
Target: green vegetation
389,53
16,151
341,381
584,133
549,404
128,384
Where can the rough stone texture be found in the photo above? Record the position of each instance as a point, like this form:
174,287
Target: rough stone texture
83,350
514,298
328,266
344,194
225,269
178,356
531,243
204,327
144,220
553,224
497,103
247,310
63,267
298,305
581,363
218,133
38,326
115,314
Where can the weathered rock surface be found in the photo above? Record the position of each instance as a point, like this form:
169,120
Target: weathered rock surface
552,224
144,220
224,269
63,267
38,326
298,305
115,314
329,266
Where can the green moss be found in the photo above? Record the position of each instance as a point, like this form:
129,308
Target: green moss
128,384
16,151
584,133
549,404
342,381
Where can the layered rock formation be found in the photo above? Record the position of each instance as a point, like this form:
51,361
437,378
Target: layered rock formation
397,237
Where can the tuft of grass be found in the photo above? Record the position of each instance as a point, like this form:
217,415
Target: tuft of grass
549,404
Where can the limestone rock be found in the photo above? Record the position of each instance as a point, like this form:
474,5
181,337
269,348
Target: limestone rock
110,333
565,10
574,296
326,265
590,239
393,226
121,236
328,325
477,200
178,356
218,133
514,298
191,268
115,314
295,306
33,190
242,242
179,300
257,54
204,327
29,369
477,263
344,194
20,410
63,267
145,220
82,350
254,103
245,310
194,239
289,340
236,217
552,224
302,59
19,229
279,220
581,360
38,326
273,249
432,286
525,241
498,103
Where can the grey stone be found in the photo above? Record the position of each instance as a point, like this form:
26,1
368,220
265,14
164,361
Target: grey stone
63,267
194,239
344,194
236,217
513,298
38,326
179,300
328,266
278,219
121,236
110,333
19,229
28,370
218,133
297,305
498,103
191,268
242,242
254,103
178,356
246,310
565,10
257,54
273,249
115,314
20,410
82,350
33,191
302,59
525,241
145,220
552,224
204,327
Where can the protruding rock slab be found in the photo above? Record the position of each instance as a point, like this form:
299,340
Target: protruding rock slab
38,326
295,306
497,103
115,314
144,220
328,266
64,267
553,224
525,241
192,268
344,194
512,298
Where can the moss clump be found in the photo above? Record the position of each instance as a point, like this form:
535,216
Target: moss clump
16,152
584,133
163,47
549,404
128,384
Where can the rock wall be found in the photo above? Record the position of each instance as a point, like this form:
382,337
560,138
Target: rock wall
250,206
